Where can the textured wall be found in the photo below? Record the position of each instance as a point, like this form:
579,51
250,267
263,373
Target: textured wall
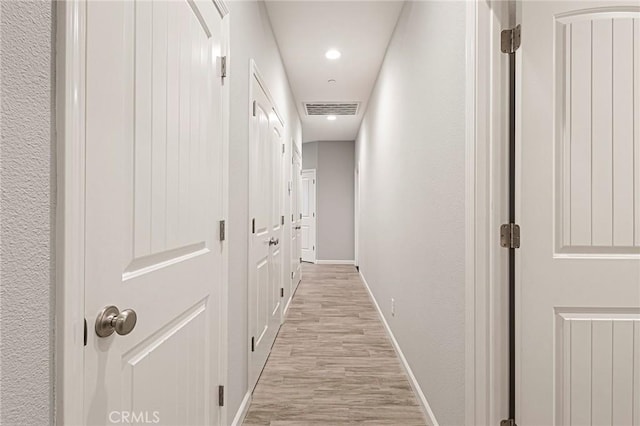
334,164
27,161
251,37
411,153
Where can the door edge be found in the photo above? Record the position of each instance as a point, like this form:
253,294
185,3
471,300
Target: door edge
70,200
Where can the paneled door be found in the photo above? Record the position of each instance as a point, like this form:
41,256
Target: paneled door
578,296
155,102
266,262
308,227
296,217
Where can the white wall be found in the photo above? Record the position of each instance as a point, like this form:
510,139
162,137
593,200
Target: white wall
411,151
27,172
334,164
251,38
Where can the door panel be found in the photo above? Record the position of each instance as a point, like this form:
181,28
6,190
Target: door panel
183,383
308,227
266,206
263,283
597,381
154,195
579,290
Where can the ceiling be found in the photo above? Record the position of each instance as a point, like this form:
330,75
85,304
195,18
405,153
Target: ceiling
305,30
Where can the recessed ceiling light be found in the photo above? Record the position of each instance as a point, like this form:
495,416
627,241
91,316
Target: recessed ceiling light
332,54
331,117
332,81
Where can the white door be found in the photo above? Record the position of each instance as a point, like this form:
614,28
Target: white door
308,234
296,217
578,299
265,257
154,196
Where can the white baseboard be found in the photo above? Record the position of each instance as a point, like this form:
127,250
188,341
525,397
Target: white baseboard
242,410
335,262
431,418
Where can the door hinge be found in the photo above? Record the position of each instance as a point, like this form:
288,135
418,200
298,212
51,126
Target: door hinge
253,344
292,275
253,226
85,332
300,260
510,39
254,108
223,67
221,396
281,292
300,215
282,220
222,230
292,218
283,148
508,422
510,236
314,248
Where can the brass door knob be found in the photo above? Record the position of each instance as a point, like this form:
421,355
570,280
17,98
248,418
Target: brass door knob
110,319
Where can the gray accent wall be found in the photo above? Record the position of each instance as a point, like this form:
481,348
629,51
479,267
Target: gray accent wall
310,155
27,207
334,163
411,156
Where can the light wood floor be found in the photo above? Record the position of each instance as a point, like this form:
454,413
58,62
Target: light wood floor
332,362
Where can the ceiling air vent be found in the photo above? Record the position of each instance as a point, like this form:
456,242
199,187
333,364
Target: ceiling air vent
331,108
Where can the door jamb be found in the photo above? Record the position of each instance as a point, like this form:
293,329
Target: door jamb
70,213
70,226
315,208
486,338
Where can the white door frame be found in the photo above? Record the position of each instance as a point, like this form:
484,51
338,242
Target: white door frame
486,369
315,215
70,226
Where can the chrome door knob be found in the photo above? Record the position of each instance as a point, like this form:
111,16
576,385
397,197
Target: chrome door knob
110,319
274,242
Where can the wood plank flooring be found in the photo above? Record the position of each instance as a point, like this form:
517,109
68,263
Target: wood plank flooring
332,362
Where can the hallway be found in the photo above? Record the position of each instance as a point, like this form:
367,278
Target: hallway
320,212
332,361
